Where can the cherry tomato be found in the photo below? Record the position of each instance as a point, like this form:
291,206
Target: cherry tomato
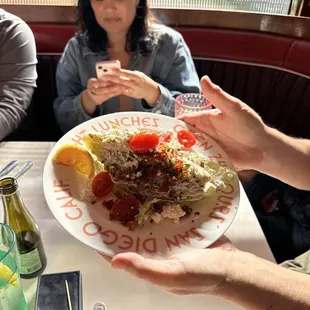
186,138
125,209
102,184
166,137
144,142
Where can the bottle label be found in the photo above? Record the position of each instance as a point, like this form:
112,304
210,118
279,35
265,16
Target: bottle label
30,262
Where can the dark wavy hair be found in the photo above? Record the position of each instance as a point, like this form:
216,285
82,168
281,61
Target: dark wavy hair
138,36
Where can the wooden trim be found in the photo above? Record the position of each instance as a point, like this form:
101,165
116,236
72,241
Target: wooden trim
45,14
292,26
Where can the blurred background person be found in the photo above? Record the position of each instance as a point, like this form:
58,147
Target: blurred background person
155,60
17,71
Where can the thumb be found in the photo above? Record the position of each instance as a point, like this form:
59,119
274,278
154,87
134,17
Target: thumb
219,98
158,272
190,118
223,243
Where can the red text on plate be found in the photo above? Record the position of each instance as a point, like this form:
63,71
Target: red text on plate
122,241
217,158
64,196
104,125
223,205
179,239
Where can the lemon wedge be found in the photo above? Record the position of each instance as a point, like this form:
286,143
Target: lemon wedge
7,273
76,157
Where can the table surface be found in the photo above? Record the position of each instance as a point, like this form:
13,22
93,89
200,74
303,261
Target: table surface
100,282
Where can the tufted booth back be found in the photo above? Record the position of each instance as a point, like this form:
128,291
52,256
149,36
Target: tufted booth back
270,73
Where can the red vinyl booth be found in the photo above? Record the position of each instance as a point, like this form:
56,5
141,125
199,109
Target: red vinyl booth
269,72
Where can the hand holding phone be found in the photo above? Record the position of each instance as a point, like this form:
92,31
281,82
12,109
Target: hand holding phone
99,91
106,67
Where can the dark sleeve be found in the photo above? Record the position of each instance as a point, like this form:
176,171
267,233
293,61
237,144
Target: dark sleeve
17,75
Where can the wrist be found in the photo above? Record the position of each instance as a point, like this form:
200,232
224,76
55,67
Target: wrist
277,146
88,105
237,273
222,271
153,96
264,150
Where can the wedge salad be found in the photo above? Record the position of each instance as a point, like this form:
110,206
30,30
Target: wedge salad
145,176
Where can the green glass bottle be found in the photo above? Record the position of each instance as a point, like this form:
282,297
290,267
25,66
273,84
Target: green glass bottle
29,242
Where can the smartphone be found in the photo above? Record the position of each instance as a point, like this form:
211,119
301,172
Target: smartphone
106,67
52,293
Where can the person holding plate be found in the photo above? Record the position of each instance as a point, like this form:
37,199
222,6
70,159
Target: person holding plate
155,64
222,270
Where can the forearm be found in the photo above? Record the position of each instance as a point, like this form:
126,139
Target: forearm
14,102
257,284
7,127
287,159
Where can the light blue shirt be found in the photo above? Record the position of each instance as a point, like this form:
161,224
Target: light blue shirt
169,64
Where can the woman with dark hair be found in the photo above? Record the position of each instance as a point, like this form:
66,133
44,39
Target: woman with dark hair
156,64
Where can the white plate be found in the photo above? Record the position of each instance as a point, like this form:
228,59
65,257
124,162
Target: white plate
90,223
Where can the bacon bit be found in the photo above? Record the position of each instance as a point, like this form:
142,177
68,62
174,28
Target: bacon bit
202,164
187,211
131,225
179,165
166,137
158,206
141,198
162,148
108,204
166,184
125,209
120,195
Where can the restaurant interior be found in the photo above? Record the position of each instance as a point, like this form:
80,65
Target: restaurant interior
256,51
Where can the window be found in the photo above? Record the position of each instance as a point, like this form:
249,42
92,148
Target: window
266,6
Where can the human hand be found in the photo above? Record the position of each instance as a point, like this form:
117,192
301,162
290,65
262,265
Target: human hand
234,125
193,272
135,84
97,92
100,90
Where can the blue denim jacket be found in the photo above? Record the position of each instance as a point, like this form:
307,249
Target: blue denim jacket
169,64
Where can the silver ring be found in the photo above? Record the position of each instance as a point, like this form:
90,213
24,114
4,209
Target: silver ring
93,91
